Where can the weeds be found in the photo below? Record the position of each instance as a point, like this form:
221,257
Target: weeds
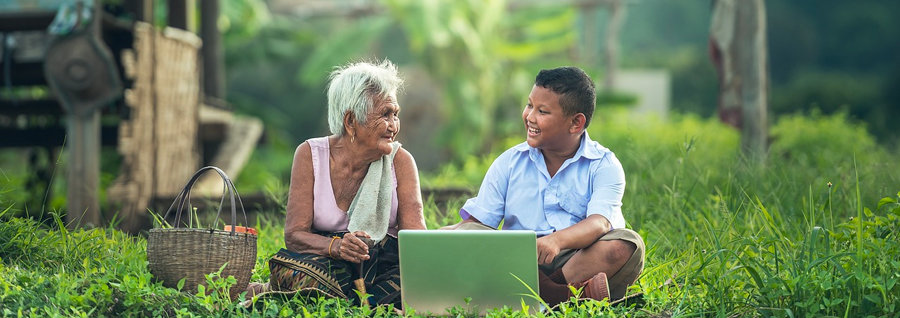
797,236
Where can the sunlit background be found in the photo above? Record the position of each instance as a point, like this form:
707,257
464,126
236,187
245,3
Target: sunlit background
468,66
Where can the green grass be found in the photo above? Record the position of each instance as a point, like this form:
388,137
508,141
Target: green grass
812,231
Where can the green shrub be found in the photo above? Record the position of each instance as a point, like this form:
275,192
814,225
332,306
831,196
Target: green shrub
822,141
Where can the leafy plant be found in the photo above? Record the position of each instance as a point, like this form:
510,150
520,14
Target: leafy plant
480,53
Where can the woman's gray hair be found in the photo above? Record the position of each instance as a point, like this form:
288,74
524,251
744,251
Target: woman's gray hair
355,88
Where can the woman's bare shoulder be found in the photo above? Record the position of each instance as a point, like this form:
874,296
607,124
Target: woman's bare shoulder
303,160
303,150
404,160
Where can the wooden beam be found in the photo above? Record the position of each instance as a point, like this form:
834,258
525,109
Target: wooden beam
54,136
30,107
43,137
213,57
26,74
25,20
240,139
47,107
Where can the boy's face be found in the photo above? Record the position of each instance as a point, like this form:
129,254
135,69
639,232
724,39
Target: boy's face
545,124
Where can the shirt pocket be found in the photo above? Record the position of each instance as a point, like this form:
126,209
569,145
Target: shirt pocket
573,203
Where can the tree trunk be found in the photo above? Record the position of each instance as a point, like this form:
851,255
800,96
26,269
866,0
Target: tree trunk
739,51
611,59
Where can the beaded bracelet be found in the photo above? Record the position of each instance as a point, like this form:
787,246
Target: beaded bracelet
330,244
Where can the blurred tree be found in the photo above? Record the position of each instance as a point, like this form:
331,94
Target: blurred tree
836,55
478,52
617,11
844,41
264,57
738,50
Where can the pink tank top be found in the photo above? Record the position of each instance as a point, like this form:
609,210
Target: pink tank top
327,217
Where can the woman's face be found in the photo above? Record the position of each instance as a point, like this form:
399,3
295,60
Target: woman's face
381,127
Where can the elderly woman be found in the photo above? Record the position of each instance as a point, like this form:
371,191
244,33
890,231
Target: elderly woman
350,194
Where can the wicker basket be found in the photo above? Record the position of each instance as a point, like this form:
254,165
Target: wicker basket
191,253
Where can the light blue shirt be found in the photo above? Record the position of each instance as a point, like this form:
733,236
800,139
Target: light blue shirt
519,191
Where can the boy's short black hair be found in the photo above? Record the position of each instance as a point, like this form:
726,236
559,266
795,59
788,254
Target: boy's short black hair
575,89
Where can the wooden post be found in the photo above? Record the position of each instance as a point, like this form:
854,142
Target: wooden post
739,50
80,70
213,65
142,9
181,14
83,174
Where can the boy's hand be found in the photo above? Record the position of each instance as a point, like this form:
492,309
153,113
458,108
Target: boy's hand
547,249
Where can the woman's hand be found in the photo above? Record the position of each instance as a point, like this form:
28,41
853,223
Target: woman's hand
352,248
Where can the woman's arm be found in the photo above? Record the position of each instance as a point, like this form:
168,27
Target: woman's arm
409,209
298,236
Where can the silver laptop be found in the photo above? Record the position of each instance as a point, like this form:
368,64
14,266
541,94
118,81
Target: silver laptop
471,271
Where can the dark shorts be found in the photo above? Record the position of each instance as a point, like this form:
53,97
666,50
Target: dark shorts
619,281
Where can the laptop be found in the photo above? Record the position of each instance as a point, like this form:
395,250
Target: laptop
475,270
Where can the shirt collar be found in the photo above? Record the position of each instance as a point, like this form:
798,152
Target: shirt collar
587,148
590,149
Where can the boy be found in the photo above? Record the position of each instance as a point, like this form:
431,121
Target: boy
565,187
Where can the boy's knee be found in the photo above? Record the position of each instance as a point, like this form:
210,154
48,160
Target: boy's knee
615,252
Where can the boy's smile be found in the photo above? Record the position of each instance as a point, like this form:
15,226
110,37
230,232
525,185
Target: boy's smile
546,124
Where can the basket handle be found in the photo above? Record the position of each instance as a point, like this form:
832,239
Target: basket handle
185,197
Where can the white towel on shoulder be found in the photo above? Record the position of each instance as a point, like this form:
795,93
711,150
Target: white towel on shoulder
370,210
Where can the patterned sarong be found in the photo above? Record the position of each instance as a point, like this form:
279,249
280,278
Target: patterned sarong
306,272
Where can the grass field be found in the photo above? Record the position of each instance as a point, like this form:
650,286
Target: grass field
810,232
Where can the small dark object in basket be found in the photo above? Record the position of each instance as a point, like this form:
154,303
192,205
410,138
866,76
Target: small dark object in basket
191,253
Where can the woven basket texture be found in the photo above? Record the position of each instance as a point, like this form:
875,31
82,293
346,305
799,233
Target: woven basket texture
187,253
191,253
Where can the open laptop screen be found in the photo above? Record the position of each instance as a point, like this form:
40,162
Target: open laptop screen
489,269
